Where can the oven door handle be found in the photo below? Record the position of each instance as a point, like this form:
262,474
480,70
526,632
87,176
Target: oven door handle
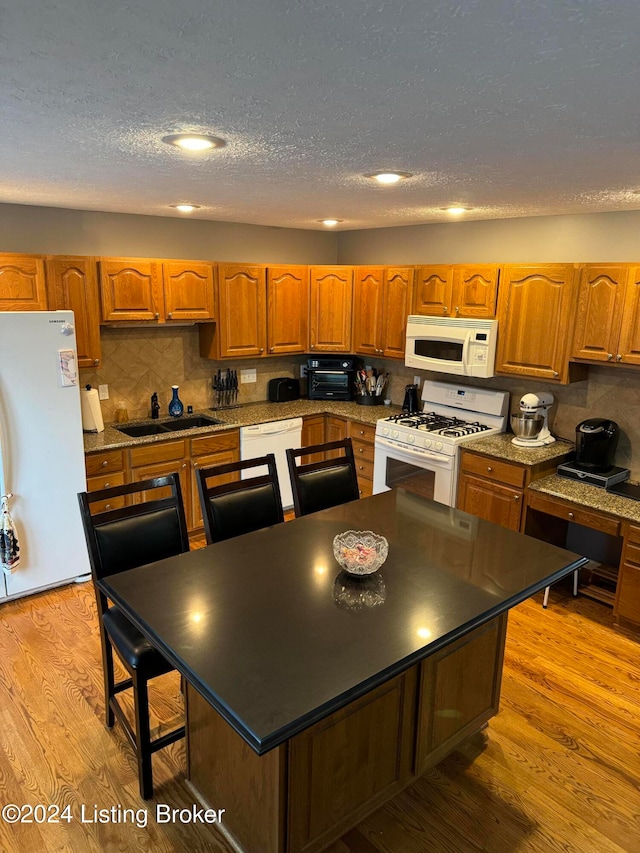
414,451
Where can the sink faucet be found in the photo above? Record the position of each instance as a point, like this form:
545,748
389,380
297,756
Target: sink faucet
155,406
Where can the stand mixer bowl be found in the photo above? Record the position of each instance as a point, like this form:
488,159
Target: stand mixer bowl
527,425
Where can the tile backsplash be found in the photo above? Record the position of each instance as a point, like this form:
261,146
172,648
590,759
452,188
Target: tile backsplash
138,361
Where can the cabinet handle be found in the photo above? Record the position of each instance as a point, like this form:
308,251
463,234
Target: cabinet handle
107,506
184,464
106,462
106,485
609,356
489,468
312,346
571,515
445,309
261,349
555,373
195,464
360,467
516,497
169,315
96,361
361,449
271,349
618,357
361,432
457,310
157,316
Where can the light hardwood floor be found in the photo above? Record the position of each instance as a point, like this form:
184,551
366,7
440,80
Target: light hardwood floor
557,770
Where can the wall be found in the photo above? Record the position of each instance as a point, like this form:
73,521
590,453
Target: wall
140,360
585,238
51,230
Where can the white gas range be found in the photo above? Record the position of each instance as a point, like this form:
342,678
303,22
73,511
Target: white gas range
420,452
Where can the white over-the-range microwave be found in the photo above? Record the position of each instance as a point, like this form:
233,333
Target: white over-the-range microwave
463,347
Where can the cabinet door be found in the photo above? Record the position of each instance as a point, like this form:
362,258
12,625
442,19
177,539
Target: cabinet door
188,290
475,291
396,300
72,283
161,469
628,350
131,289
313,432
433,292
22,283
331,293
491,501
287,309
241,310
367,310
534,314
195,521
335,429
601,294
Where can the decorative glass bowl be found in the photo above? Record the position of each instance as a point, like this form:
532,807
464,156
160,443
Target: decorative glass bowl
360,552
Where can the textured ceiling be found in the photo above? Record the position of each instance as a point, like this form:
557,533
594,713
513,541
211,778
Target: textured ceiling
511,107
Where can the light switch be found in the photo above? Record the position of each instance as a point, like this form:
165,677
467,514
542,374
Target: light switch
103,392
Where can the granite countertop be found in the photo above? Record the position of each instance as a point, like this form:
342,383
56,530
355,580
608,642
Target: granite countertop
501,447
245,415
592,497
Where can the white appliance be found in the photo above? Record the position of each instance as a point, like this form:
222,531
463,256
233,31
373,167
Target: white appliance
532,406
420,452
274,437
462,347
42,448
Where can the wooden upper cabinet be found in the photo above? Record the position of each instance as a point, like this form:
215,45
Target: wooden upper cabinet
465,290
433,292
475,290
381,303
534,321
287,309
331,292
629,345
398,282
241,326
188,290
601,296
368,310
131,289
72,283
22,283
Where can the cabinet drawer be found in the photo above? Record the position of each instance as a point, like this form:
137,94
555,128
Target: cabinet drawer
364,469
215,443
571,512
363,451
103,463
148,454
633,534
632,554
362,432
628,600
103,506
105,481
365,487
493,469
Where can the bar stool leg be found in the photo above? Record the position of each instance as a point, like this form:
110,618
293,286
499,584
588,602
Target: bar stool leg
109,680
575,581
143,736
545,600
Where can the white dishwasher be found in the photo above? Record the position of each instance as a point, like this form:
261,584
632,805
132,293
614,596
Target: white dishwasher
274,437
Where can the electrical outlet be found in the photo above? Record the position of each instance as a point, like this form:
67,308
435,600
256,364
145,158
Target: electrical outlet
247,376
303,371
416,380
103,392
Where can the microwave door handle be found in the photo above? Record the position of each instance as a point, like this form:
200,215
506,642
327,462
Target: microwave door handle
465,350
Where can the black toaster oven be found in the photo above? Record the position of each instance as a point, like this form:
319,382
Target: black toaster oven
330,377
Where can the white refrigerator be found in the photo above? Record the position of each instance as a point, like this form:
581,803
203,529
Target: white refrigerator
42,454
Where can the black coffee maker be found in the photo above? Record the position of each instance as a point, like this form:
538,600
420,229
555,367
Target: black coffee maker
596,443
411,403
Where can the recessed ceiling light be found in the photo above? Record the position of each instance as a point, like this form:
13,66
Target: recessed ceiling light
186,208
330,222
193,141
386,177
456,210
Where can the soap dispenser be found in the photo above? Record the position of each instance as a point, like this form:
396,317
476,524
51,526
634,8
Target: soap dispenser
155,405
175,406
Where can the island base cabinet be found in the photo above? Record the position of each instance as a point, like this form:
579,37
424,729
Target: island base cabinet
306,793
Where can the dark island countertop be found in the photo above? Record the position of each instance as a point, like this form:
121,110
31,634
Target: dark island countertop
270,632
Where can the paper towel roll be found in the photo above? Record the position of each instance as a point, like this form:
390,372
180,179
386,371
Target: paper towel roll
91,411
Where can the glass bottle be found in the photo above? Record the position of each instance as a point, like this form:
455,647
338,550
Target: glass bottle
175,406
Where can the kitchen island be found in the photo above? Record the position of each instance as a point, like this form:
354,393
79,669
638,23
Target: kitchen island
313,698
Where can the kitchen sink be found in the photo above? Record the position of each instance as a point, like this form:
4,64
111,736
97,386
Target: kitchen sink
141,430
190,423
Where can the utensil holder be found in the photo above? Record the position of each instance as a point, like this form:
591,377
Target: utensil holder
369,400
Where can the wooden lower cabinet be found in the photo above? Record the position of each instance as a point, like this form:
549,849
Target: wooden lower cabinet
307,792
104,470
362,437
312,433
335,429
627,604
491,489
208,452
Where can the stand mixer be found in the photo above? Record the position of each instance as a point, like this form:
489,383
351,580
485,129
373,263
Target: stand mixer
531,427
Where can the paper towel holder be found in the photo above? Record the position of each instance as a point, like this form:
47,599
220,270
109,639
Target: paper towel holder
91,411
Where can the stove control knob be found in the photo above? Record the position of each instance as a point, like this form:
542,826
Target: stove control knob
385,430
411,439
427,442
439,445
395,433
